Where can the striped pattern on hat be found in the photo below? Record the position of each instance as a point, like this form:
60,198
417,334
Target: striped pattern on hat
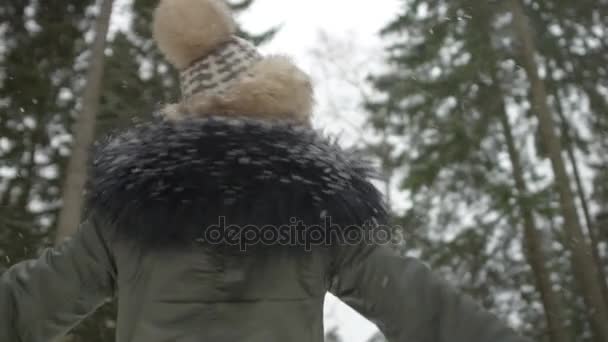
216,72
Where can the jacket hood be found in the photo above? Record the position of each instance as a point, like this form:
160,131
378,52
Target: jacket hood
169,181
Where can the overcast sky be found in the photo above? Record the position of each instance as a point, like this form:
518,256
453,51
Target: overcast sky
301,20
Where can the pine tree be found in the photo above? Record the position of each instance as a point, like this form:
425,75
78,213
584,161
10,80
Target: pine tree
84,129
454,82
582,258
577,72
38,81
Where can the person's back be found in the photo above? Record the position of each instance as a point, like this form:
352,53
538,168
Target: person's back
230,219
233,245
200,294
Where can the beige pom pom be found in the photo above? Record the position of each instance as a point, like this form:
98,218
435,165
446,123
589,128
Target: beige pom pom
186,30
273,89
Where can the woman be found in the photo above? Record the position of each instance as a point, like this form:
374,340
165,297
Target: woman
230,219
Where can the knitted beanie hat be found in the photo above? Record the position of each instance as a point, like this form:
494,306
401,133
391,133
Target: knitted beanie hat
222,74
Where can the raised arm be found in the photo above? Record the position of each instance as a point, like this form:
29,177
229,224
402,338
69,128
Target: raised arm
44,298
410,303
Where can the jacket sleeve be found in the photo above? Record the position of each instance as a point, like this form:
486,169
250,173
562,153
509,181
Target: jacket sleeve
44,298
408,302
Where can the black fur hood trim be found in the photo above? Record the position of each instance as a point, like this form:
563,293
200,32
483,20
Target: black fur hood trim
163,182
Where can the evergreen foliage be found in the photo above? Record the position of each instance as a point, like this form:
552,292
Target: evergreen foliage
471,157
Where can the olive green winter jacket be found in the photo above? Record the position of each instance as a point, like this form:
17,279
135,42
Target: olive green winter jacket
149,240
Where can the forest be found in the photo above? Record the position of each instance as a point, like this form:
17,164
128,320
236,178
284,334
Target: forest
490,118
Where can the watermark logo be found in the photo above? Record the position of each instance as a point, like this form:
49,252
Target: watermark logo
296,233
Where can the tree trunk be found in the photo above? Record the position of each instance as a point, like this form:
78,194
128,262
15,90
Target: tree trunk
84,130
581,252
580,190
555,314
532,242
597,105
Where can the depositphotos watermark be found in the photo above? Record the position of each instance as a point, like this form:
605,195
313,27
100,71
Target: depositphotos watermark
296,233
